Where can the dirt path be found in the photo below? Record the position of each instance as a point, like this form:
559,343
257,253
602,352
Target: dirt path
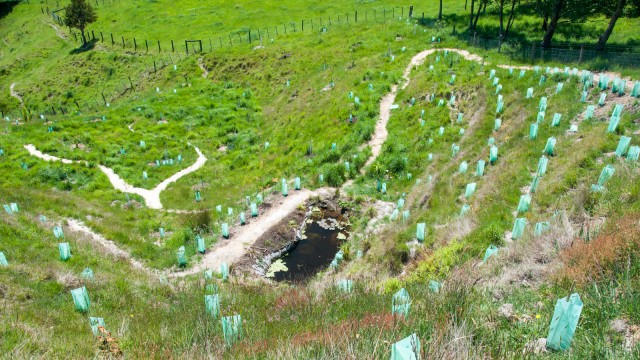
60,34
205,72
230,250
151,197
79,227
14,93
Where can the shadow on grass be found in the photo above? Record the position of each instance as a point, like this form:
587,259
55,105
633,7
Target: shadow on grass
89,45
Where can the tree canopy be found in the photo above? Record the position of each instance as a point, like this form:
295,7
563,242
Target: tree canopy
78,14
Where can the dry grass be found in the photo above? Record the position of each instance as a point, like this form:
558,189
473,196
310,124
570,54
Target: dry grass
596,260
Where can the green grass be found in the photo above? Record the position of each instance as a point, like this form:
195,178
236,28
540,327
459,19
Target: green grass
245,102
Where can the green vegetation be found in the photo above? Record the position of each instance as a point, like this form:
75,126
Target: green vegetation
306,104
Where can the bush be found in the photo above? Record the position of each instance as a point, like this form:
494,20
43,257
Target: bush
334,175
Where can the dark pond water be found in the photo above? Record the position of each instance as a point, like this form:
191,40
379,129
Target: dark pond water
313,253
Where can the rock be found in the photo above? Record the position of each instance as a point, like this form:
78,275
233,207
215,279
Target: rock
619,325
506,310
536,346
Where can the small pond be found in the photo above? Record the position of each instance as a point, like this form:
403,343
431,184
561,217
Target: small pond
317,250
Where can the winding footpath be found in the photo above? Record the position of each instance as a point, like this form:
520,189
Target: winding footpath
14,93
243,237
151,197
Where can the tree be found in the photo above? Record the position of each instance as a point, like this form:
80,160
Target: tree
440,12
78,15
501,4
474,16
617,13
572,11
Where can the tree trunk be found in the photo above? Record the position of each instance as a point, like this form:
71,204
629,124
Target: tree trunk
501,16
602,41
511,18
84,39
440,12
475,22
545,22
465,4
558,7
471,15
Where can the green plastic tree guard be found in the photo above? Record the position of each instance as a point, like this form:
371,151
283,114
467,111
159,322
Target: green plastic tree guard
524,203
589,113
452,80
161,231
243,219
470,189
434,286
96,323
602,99
522,72
208,274
65,251
492,74
496,81
549,148
491,250
542,165
347,166
198,196
254,209
3,260
480,168
518,228
541,228
87,274
14,207
632,154
500,105
498,88
623,146
564,322
200,242
529,93
559,87
460,116
57,232
420,231
540,117
230,211
81,299
617,110
182,257
224,271
606,174
533,131
212,305
493,154
296,185
224,228
543,79
430,157
556,119
463,167
534,184
491,141
461,132
583,97
401,303
285,190
496,124
384,188
400,203
464,210
345,285
615,86
454,150
232,329
542,106
406,349
7,208
613,124
441,131
636,89
623,87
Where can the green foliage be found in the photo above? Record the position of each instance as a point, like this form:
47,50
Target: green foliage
78,14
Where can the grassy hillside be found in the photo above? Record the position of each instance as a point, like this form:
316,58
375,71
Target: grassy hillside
261,113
